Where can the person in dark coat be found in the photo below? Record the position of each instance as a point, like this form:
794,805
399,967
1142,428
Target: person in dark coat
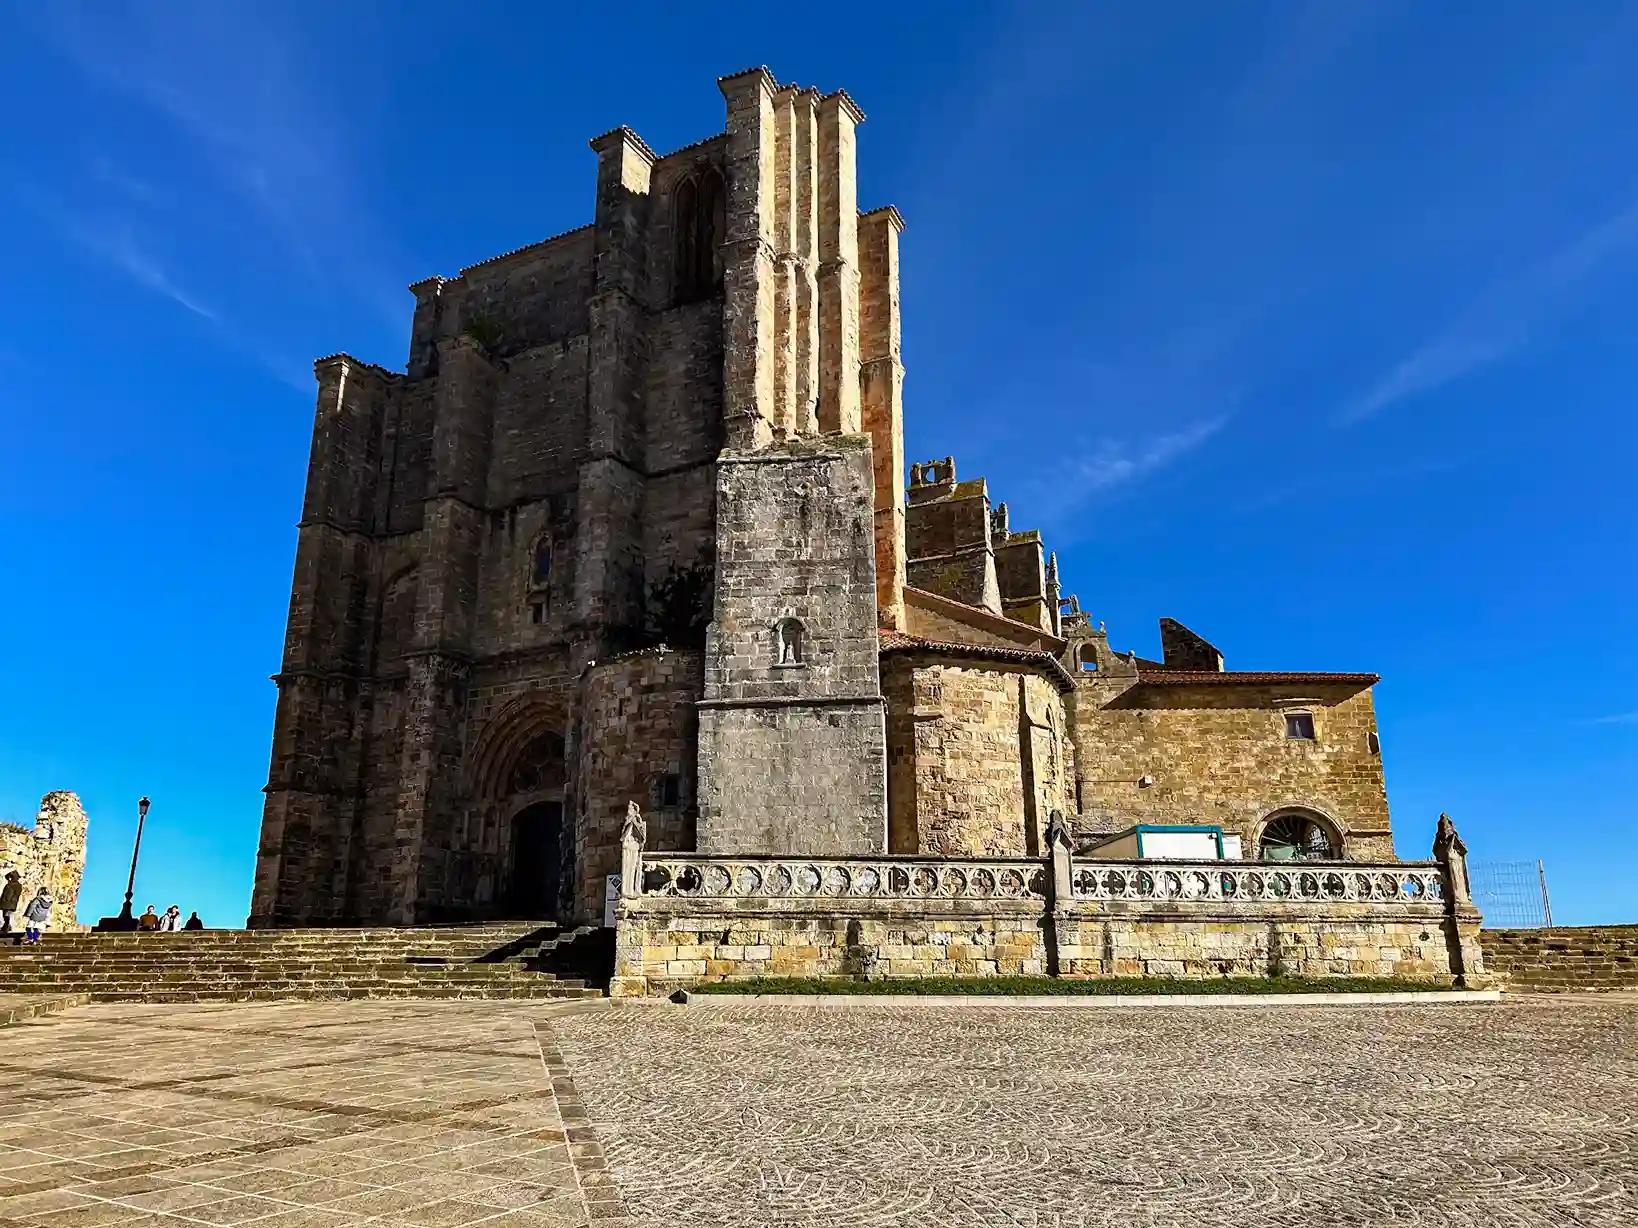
193,922
11,898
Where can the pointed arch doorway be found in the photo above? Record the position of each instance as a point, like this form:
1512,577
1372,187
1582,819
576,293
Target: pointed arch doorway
537,860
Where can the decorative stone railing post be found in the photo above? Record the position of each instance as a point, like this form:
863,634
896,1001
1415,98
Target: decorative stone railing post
1466,955
630,926
1065,944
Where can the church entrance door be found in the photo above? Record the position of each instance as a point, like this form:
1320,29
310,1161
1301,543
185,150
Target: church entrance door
536,860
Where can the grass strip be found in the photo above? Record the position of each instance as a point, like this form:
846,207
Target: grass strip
993,986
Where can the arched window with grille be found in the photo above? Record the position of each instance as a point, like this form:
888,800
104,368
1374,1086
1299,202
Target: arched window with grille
1298,835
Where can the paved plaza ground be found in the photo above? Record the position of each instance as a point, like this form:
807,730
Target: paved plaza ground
882,1113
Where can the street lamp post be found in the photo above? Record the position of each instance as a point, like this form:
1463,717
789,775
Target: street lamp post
125,921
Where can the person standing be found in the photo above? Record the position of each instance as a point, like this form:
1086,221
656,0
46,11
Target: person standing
171,922
36,916
193,922
11,899
148,922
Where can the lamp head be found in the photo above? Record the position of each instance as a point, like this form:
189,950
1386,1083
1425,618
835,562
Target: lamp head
142,808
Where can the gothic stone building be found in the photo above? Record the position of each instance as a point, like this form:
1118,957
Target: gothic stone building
633,524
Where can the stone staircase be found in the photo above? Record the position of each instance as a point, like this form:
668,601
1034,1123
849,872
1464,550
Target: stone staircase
510,960
1558,960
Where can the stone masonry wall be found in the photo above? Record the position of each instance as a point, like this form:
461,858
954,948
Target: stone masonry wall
977,759
683,942
50,854
1219,755
1563,959
792,753
637,724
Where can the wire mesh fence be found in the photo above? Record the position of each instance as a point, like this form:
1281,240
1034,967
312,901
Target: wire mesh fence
1511,894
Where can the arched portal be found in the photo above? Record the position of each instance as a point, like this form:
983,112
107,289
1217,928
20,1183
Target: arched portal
517,773
537,860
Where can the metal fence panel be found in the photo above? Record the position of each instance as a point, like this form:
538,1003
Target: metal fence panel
1511,894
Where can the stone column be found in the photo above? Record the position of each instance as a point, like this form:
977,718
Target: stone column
838,266
785,258
805,244
881,395
312,782
608,587
441,641
748,278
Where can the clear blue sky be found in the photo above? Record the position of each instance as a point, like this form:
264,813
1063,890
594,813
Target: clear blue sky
1311,325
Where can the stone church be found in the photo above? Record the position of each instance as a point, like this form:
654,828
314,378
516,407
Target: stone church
635,523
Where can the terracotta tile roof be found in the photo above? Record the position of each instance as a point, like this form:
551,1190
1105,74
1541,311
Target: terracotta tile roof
1191,677
897,641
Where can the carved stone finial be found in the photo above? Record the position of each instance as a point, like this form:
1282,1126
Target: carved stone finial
998,520
1052,569
1447,840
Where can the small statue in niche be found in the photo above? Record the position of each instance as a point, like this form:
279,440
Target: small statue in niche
788,642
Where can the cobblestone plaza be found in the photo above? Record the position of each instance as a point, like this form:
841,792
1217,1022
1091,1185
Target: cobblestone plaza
883,1113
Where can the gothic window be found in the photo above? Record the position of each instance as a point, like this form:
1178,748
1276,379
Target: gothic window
670,790
699,224
540,566
1298,836
1299,726
788,642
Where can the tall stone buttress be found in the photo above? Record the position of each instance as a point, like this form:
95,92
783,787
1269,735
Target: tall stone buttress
792,736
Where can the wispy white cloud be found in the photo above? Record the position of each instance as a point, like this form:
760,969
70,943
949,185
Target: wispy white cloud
1504,319
239,87
1113,463
121,249
106,171
1617,718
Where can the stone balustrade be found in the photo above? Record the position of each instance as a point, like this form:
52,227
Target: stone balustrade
1258,883
688,917
885,878
1254,884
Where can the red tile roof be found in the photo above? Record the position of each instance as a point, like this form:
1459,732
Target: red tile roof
897,641
1190,677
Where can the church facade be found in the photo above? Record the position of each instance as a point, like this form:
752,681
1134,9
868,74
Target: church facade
635,524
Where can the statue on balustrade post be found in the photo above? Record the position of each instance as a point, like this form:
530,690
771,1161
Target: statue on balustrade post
1449,848
1059,847
633,835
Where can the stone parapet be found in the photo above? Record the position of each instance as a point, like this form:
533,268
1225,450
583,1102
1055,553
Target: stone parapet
721,918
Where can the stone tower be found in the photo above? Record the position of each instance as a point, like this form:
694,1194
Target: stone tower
694,398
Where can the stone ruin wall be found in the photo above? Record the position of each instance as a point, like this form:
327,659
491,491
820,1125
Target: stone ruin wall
51,853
